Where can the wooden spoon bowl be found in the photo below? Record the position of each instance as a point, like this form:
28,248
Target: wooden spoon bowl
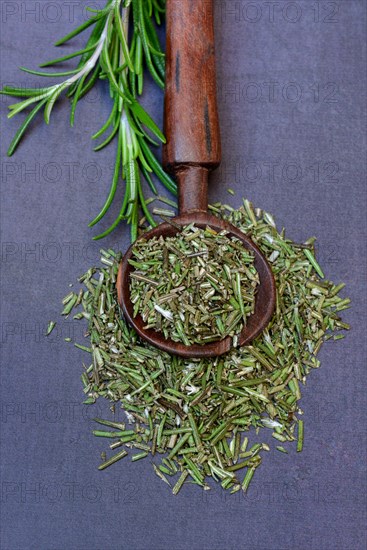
264,302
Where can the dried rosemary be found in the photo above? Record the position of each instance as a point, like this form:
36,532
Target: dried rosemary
196,287
191,415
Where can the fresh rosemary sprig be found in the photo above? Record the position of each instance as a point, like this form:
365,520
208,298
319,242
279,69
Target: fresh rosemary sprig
110,54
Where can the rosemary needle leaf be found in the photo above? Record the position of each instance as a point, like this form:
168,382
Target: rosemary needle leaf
149,180
138,5
23,92
76,99
113,188
51,102
106,64
145,209
40,73
109,230
76,31
19,134
167,181
147,120
92,80
122,36
109,138
66,57
107,123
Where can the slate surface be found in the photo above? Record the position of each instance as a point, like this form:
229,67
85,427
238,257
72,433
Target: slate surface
292,86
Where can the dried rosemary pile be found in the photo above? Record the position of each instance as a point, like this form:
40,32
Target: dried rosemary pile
191,416
196,287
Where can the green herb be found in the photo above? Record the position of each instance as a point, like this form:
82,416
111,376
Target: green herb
300,436
116,425
139,456
180,482
197,416
248,477
112,460
111,55
196,287
50,327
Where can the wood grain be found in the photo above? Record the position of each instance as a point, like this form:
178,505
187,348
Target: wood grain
191,122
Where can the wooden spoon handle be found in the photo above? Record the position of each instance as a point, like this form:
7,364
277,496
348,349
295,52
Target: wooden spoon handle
191,118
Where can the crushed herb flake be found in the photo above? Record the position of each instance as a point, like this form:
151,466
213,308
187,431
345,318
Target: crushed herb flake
196,287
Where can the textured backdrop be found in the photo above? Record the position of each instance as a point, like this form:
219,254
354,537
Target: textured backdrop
292,87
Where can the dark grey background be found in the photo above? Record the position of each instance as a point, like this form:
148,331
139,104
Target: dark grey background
292,87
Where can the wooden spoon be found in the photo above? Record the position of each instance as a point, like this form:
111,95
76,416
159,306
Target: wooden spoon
193,149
